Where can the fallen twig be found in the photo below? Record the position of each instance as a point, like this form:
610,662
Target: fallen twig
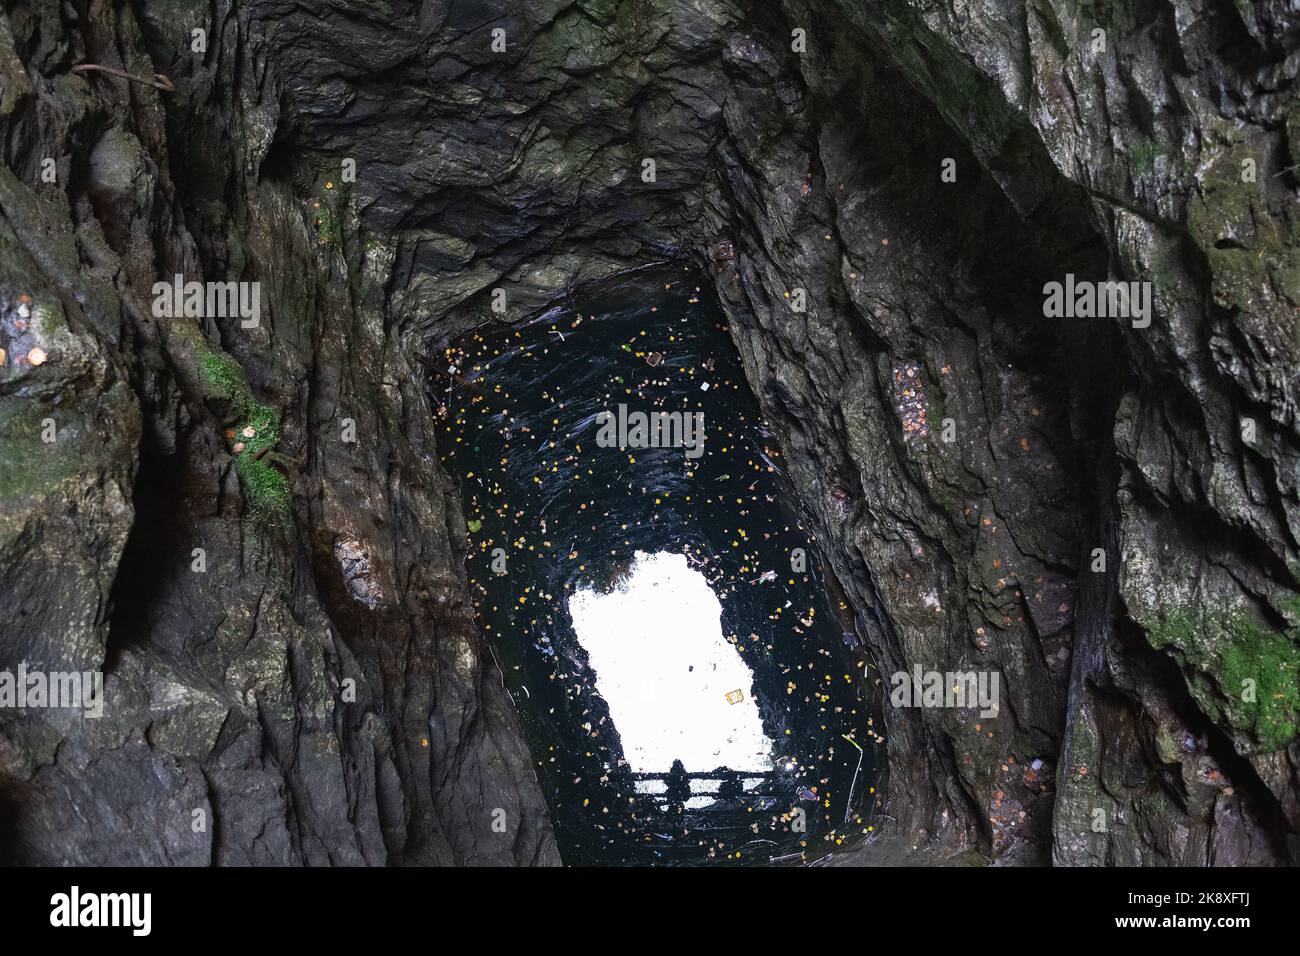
159,82
452,374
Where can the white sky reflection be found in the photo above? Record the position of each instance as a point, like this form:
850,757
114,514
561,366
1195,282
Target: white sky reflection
665,670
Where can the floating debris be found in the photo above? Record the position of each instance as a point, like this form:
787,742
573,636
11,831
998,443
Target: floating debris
910,401
553,513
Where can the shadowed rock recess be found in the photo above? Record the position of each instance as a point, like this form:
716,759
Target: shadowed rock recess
320,692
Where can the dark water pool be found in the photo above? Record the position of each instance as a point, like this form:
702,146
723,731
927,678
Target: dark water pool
552,513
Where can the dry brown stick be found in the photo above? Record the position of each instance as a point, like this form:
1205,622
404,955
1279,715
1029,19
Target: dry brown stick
456,377
159,82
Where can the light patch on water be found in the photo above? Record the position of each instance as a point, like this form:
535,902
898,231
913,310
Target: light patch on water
703,792
665,670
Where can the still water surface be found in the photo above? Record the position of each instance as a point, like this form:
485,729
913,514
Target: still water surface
654,605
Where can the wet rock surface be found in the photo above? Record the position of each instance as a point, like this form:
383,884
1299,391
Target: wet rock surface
1104,515
244,528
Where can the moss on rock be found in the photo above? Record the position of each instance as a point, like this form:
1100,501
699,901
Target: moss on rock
258,431
1244,672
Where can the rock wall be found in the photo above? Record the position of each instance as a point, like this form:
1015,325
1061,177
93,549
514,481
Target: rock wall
963,457
292,671
1109,526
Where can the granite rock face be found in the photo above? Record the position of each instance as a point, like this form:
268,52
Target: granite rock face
1107,523
292,674
1098,510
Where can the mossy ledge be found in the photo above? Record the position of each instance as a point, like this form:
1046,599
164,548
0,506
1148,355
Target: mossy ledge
257,432
1243,671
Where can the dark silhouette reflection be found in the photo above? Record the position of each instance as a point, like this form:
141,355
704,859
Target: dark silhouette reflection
678,792
679,784
731,788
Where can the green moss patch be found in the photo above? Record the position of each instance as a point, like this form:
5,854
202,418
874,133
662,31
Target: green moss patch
329,228
30,468
223,378
1243,671
266,488
1143,155
1224,207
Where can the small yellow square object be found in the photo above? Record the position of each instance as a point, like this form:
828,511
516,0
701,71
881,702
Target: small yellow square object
735,697
424,741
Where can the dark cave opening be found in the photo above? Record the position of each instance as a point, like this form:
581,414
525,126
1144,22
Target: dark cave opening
556,522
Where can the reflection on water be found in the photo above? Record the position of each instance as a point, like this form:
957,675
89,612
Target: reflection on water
676,689
602,575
